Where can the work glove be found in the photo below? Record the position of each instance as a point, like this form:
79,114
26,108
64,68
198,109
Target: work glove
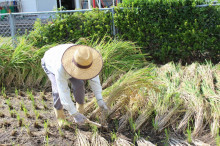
102,105
104,112
80,119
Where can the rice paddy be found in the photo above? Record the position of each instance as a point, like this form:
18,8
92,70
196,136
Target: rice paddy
169,104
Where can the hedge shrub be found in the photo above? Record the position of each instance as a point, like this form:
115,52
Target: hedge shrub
167,30
71,27
171,30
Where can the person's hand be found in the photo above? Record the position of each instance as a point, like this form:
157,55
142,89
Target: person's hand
103,108
80,119
102,105
104,112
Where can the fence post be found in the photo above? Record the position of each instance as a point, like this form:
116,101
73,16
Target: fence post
12,28
113,23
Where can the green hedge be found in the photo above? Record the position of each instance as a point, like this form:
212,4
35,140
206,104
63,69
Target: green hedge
71,27
171,30
167,30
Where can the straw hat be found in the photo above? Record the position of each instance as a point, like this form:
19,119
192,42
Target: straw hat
82,62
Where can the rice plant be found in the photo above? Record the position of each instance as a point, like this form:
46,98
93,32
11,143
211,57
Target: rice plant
19,119
27,126
12,113
36,124
16,92
168,96
8,102
46,129
20,66
26,112
118,56
3,92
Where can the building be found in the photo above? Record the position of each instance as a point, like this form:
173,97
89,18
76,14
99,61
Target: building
27,5
7,6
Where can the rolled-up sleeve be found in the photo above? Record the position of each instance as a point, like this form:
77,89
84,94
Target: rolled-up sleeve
96,87
64,91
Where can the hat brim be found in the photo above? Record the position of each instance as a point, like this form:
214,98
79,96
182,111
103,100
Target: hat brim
80,73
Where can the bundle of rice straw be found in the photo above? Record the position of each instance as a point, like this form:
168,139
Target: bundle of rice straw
143,142
81,139
122,142
98,140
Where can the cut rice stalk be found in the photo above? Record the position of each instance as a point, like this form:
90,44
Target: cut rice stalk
124,121
198,122
98,140
163,119
143,142
122,142
215,125
183,123
82,139
199,143
173,141
143,117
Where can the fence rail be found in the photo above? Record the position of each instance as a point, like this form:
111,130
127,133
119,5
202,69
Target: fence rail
12,24
15,24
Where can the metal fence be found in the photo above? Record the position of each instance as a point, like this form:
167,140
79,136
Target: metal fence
17,24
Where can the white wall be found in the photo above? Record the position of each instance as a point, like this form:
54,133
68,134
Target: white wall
36,5
46,5
29,5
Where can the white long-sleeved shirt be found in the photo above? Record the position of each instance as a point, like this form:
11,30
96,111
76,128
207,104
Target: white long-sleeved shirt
53,63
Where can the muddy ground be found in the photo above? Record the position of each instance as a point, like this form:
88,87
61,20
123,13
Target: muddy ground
30,130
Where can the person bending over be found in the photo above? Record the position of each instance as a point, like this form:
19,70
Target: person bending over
73,63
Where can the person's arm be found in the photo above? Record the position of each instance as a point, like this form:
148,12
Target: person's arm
96,87
97,90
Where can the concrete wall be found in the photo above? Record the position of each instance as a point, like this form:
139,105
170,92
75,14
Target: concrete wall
46,5
36,5
29,5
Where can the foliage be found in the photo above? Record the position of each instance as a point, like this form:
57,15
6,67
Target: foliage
168,30
20,66
70,27
171,30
